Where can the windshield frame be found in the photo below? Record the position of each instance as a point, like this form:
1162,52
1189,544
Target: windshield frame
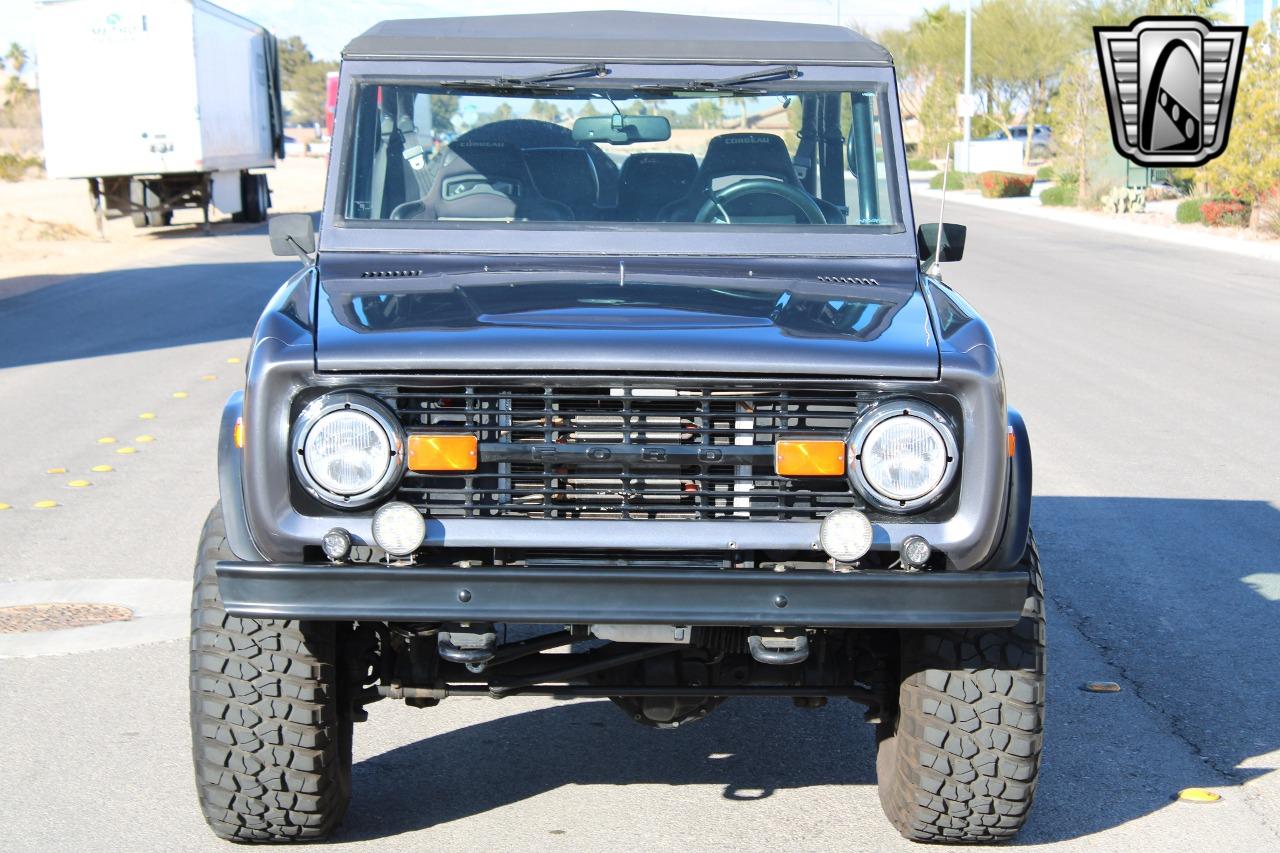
338,233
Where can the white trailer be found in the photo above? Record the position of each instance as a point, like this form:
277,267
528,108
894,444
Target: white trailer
160,104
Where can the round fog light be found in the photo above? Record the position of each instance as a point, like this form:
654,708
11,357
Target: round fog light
399,529
845,535
915,551
336,544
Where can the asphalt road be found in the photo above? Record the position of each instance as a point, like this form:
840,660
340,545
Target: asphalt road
1146,374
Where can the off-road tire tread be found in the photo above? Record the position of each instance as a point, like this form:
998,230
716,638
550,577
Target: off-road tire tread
963,762
272,753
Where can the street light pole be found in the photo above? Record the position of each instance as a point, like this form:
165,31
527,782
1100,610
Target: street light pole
968,78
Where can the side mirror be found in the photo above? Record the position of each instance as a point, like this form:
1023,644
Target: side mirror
952,242
292,234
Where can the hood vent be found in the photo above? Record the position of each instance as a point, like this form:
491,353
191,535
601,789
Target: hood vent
848,279
390,273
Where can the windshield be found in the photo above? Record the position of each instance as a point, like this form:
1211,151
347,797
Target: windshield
467,152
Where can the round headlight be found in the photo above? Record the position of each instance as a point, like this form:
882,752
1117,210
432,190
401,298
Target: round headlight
347,452
347,446
905,455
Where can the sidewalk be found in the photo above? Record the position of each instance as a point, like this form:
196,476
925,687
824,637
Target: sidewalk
1182,235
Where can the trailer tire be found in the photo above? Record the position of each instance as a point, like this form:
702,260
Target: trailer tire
270,730
959,762
255,198
144,206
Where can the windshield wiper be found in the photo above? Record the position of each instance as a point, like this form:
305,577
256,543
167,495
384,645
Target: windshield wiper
548,81
729,85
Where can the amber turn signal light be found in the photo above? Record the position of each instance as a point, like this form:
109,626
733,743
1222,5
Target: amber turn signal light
237,434
442,452
809,458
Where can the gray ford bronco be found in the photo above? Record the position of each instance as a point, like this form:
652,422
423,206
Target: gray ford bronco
617,370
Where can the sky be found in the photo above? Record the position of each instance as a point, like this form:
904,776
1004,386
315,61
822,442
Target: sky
326,25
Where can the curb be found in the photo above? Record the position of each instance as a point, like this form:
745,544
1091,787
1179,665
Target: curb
1188,238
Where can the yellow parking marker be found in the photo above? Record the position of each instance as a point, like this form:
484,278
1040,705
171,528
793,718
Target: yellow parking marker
179,395
126,450
208,377
145,439
101,469
45,504
1198,795
233,360
79,484
147,416
3,507
55,470
106,439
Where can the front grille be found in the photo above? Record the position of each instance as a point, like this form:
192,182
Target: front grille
626,452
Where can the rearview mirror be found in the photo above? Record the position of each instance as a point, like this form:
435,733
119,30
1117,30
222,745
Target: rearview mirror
619,129
292,234
952,241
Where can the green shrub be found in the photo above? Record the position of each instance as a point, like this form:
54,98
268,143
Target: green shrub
1189,211
919,164
1044,173
1005,184
1061,195
955,181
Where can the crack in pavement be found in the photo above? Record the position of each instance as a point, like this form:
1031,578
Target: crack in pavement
1230,776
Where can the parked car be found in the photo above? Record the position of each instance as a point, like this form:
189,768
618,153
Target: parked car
1041,140
687,403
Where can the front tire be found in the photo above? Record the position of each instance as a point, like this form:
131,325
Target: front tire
960,761
271,740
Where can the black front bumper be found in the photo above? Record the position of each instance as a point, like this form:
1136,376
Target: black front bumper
577,595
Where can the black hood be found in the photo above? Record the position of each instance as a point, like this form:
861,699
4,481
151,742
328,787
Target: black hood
867,319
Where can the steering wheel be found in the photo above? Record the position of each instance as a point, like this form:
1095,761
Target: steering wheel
714,207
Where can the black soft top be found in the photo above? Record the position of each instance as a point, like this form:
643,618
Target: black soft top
615,37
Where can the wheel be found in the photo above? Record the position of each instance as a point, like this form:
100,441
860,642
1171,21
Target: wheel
271,741
145,206
255,198
960,762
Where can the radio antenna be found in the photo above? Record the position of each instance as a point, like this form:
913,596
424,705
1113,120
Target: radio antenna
935,269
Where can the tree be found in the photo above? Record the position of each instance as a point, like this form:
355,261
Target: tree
543,111
445,107
930,57
16,59
1250,167
1081,127
304,76
1019,48
708,112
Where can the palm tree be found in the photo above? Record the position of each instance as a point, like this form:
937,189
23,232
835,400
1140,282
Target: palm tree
17,58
